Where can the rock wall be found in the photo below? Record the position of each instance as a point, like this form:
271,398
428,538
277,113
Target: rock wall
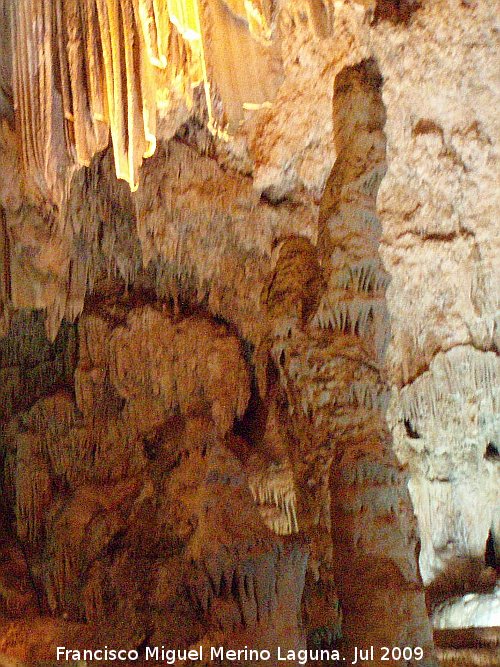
133,510
437,205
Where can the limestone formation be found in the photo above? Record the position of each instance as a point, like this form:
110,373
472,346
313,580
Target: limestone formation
249,376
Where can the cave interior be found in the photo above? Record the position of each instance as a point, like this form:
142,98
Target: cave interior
249,332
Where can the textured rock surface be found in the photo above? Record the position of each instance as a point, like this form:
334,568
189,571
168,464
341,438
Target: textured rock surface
473,610
438,200
130,504
440,244
202,454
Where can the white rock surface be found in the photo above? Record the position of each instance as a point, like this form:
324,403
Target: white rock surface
471,611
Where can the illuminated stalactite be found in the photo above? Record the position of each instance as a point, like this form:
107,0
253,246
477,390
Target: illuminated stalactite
89,69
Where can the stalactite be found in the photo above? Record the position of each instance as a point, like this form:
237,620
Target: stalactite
10,382
453,377
364,394
54,415
8,480
363,276
26,340
38,105
64,568
275,487
94,63
296,284
33,490
29,364
104,66
101,452
83,127
93,594
321,14
253,583
354,315
5,296
155,27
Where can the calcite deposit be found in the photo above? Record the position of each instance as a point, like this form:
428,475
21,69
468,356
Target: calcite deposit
249,372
